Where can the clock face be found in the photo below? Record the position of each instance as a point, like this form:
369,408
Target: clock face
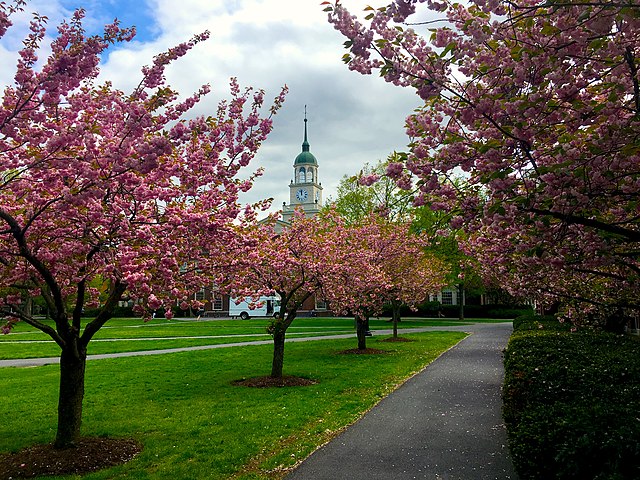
301,195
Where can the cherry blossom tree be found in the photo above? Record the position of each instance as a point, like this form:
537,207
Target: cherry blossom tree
98,186
291,264
539,103
376,262
412,272
372,191
356,285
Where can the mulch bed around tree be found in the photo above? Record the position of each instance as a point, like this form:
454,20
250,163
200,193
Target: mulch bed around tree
365,351
268,382
89,455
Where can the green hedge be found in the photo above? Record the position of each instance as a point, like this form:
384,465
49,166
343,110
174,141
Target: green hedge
434,309
540,323
572,402
496,311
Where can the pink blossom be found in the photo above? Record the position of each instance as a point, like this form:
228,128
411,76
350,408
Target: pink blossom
394,170
550,178
368,180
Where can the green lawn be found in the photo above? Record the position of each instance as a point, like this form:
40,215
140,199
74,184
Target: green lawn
194,424
127,335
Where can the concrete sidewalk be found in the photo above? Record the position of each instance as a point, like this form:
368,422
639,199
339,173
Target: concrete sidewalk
37,362
444,423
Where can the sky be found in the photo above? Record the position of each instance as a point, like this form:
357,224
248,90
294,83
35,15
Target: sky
352,119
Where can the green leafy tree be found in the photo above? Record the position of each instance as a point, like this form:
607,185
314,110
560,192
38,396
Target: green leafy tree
448,244
371,191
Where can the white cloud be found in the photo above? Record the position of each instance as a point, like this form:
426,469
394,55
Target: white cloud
353,119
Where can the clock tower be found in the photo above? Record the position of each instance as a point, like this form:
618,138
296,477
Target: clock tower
304,190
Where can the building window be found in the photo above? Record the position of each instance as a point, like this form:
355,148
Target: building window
310,175
200,296
321,304
216,302
447,298
302,178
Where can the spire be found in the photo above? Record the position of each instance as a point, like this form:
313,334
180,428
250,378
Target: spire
305,144
305,157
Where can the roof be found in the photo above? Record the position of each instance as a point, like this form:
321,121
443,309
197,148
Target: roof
305,157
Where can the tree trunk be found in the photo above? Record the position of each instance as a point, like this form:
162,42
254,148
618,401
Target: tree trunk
278,353
278,330
72,369
461,301
395,312
28,306
361,330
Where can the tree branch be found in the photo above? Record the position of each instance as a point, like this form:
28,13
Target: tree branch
632,235
117,290
18,313
18,235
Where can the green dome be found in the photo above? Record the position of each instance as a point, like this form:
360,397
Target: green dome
305,157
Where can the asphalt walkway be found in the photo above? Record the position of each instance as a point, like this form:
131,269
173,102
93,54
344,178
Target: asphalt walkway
444,423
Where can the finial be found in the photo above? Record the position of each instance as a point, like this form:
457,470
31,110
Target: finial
305,144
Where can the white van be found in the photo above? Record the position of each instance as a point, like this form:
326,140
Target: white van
270,306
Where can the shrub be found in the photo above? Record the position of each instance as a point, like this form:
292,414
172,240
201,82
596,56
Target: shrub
497,311
434,309
538,322
571,402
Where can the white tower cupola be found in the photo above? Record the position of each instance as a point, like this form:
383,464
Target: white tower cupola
305,191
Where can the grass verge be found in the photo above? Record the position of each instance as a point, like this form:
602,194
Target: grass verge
194,423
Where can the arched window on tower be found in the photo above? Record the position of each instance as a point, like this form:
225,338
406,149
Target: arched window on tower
310,175
302,175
